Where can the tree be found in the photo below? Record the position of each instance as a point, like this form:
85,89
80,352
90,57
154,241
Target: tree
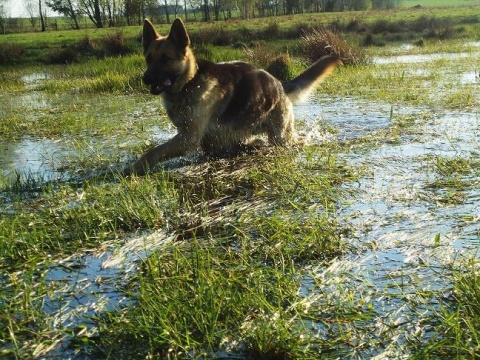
68,8
42,15
111,11
92,9
31,9
167,13
385,4
3,15
133,11
35,10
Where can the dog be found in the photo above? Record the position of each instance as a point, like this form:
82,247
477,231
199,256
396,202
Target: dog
218,107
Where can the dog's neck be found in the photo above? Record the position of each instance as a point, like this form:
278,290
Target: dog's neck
190,72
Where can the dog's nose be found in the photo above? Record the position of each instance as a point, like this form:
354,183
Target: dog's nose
148,79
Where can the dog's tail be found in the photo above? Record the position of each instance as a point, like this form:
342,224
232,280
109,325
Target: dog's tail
300,87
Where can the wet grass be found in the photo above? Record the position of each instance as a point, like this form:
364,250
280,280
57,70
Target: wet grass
457,335
229,226
254,269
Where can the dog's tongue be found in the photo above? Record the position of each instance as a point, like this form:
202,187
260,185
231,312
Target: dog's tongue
158,89
167,83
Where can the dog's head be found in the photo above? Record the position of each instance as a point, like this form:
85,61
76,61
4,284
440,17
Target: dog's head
169,58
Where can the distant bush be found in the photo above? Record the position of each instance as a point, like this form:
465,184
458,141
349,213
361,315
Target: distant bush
355,26
271,32
384,26
321,42
114,44
86,46
245,34
63,55
261,55
281,67
217,36
10,53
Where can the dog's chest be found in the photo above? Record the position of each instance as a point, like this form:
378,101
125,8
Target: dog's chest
196,103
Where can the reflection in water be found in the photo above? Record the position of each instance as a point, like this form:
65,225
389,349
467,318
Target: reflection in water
31,158
411,59
407,239
88,285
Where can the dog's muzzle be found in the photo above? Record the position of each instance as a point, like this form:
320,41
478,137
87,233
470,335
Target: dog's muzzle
157,86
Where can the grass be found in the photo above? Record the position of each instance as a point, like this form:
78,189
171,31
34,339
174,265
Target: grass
454,176
248,272
403,25
458,335
60,219
447,3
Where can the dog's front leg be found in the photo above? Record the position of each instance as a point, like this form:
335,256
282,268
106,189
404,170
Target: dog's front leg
179,145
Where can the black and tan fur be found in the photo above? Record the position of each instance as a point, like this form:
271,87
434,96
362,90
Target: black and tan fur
218,107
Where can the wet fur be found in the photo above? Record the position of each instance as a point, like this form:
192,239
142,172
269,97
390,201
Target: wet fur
219,107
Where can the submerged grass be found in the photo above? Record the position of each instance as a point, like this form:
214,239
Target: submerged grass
63,218
457,334
232,222
252,235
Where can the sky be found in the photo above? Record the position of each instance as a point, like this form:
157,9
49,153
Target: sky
16,8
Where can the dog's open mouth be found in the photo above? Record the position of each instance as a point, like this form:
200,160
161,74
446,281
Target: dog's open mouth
157,89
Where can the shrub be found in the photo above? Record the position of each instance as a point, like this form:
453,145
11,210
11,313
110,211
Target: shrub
355,26
114,44
64,55
281,67
321,42
217,36
261,56
245,34
272,31
10,53
384,26
86,46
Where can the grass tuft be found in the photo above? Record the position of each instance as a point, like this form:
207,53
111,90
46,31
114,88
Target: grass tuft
320,42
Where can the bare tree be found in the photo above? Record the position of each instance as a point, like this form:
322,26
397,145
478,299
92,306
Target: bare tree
167,13
31,9
68,8
132,10
111,11
385,4
35,11
43,15
4,5
92,9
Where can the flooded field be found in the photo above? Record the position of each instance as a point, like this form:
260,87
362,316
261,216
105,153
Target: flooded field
410,220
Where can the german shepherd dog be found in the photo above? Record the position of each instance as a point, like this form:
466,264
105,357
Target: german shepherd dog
218,107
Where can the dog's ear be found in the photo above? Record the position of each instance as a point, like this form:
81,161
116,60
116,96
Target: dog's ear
149,34
178,34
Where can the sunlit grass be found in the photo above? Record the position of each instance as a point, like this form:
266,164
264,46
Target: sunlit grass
457,334
252,235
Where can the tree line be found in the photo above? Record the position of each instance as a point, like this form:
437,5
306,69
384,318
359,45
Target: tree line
109,13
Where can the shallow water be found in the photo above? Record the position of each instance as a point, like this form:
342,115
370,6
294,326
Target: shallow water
404,240
405,237
422,58
90,284
32,158
350,118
